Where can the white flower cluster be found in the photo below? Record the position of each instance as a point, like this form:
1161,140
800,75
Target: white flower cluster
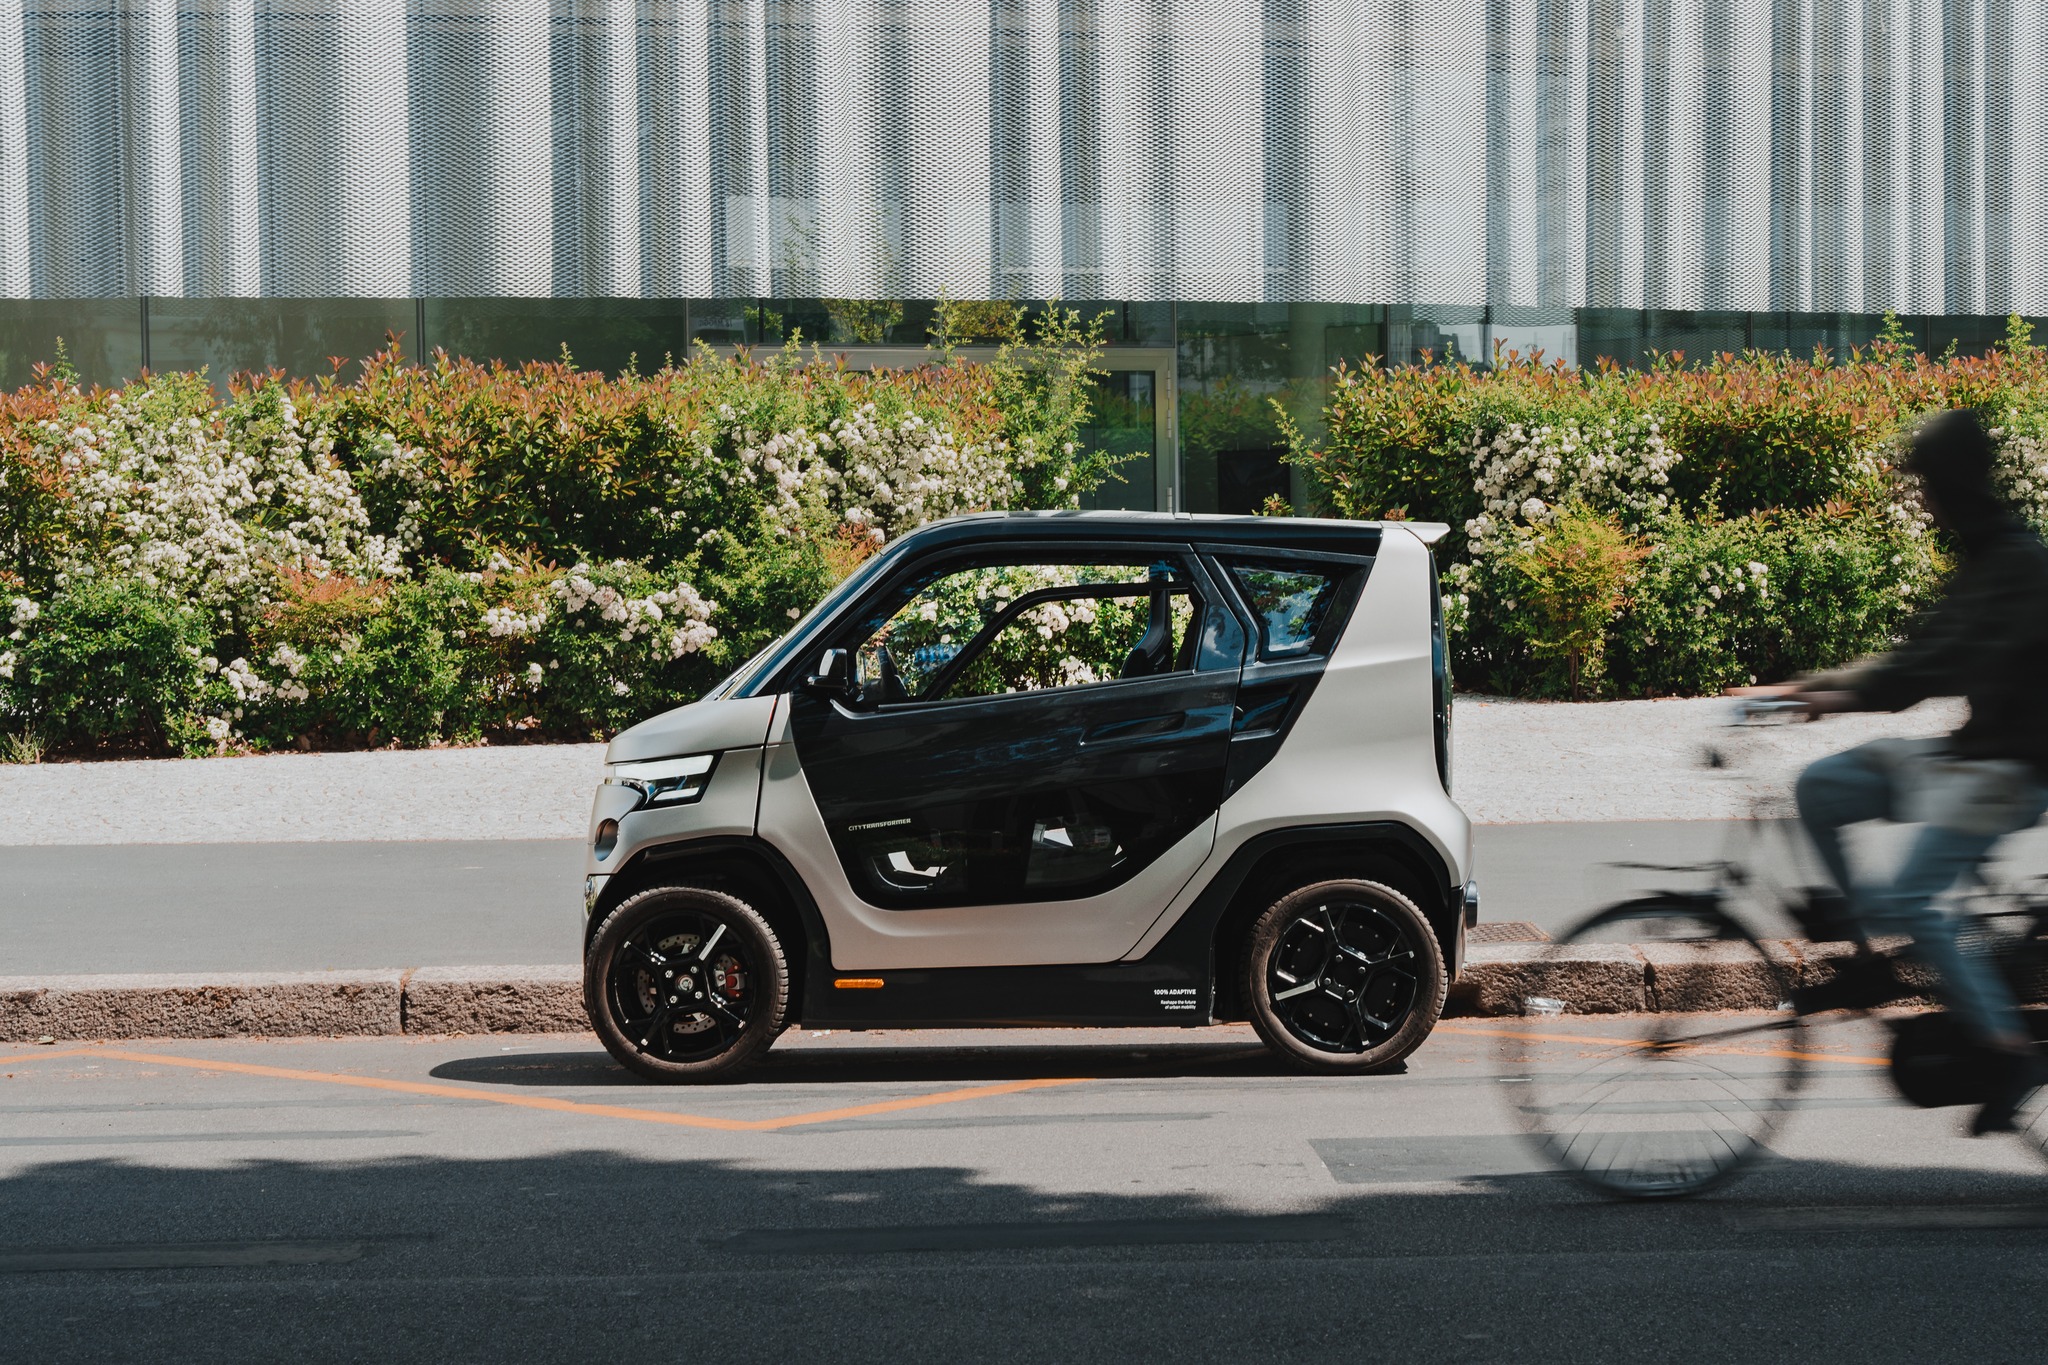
1524,473
209,510
900,475
890,476
20,612
681,610
1076,672
388,458
508,623
1028,456
1734,581
251,688
1056,618
2021,471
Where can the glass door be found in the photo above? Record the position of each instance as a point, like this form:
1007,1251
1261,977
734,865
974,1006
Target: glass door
1132,413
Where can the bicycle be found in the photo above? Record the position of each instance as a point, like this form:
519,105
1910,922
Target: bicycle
1693,1102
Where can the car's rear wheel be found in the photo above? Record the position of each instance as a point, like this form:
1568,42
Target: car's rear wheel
1344,976
685,985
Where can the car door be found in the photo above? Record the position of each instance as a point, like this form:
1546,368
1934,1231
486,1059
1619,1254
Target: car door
1032,756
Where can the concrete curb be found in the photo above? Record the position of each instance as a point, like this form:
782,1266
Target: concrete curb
1617,978
221,1005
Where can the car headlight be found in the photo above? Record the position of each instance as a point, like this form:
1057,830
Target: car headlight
665,781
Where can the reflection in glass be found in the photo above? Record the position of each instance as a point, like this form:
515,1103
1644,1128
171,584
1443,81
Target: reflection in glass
103,338
1290,605
1236,361
1063,639
610,335
1123,420
302,337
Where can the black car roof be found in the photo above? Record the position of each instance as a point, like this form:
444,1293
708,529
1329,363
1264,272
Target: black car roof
1361,538
1271,533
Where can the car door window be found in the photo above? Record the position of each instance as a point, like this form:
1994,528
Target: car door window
992,629
1024,729
1289,602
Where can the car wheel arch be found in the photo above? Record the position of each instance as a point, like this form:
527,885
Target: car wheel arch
749,869
1392,855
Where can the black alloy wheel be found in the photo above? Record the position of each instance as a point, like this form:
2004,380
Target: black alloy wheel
685,984
1345,976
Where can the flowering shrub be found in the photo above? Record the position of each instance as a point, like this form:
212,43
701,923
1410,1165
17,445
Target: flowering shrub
1723,603
209,504
1779,534
876,477
1567,580
453,550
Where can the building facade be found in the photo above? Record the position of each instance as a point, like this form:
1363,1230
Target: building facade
1252,190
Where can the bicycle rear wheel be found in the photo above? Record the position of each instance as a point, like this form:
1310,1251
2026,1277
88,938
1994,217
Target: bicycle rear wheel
1667,1103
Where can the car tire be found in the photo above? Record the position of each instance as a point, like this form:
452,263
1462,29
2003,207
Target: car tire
685,985
1344,976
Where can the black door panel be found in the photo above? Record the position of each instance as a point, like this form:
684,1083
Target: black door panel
1031,796
1142,728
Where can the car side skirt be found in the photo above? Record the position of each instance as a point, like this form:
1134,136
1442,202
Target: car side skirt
1176,983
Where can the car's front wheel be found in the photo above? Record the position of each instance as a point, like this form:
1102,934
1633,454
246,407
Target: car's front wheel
1344,976
684,984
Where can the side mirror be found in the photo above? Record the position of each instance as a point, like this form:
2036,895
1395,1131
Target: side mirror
834,677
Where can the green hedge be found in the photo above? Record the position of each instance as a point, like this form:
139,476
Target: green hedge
454,550
1675,530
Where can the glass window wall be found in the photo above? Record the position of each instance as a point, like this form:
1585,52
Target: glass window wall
1236,361
302,337
598,334
102,337
1123,420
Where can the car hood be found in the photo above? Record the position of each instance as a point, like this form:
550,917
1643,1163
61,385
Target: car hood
701,728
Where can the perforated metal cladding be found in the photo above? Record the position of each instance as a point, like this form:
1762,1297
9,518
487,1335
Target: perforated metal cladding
1809,155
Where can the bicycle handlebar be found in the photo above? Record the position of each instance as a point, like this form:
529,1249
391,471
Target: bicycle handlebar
1767,710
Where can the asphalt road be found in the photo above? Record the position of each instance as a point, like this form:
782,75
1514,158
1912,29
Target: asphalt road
321,905
875,1198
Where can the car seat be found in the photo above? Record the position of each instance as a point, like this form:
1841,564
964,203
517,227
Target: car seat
1154,650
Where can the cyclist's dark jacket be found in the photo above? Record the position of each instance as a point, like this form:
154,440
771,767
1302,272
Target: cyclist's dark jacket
1986,640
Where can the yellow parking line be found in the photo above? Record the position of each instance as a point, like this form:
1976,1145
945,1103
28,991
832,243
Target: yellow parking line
611,1111
41,1056
1648,1042
979,1092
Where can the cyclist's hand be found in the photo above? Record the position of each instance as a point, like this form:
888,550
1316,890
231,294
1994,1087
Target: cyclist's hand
1815,704
1820,704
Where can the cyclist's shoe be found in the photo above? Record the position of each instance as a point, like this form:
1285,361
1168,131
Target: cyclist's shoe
1822,914
1862,982
2022,1075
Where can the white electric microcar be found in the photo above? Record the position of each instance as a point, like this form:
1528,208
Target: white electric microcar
1103,769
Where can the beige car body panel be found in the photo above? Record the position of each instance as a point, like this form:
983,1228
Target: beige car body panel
1373,750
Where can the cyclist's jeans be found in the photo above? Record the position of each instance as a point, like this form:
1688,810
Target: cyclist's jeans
1850,787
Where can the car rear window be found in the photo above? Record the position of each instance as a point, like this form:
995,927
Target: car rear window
1289,602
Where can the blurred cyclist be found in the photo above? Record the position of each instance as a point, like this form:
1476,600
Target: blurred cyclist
1986,640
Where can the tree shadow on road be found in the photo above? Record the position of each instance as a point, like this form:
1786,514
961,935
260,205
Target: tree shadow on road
588,1254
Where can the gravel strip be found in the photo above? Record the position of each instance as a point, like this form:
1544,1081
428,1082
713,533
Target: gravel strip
1517,762
539,791
1520,762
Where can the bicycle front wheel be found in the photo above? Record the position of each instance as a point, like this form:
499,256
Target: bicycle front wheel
1677,1098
